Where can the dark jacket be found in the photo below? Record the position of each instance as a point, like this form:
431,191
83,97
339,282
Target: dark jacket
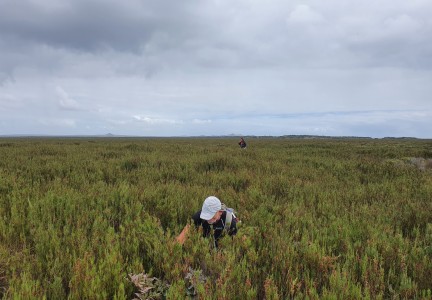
218,227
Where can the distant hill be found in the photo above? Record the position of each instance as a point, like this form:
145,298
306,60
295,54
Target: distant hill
232,135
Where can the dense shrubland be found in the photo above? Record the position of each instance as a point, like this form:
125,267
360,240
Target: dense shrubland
340,219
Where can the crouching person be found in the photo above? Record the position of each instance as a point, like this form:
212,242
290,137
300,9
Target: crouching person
213,215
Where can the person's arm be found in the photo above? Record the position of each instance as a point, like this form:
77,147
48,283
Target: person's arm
181,238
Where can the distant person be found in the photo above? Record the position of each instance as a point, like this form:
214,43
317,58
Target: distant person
242,143
213,215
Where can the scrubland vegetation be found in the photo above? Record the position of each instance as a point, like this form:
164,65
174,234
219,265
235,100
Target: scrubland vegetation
332,219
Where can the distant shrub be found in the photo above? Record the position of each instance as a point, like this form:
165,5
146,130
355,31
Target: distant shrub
6,144
130,165
213,164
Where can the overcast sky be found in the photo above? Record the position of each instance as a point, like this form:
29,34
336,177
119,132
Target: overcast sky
200,67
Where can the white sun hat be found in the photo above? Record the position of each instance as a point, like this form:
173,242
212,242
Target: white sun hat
210,207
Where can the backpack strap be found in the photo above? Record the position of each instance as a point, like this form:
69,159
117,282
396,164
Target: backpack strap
228,219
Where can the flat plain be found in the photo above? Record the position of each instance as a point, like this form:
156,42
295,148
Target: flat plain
320,218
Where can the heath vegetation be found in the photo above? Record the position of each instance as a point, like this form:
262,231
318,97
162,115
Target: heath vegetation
323,218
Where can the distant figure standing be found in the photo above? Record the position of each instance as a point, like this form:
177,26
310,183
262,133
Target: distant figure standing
242,143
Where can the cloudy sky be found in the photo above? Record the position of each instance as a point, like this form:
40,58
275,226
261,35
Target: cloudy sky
216,67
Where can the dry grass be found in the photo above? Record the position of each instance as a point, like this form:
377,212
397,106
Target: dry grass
421,163
148,287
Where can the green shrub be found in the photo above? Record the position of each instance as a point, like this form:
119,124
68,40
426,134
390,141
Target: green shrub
332,219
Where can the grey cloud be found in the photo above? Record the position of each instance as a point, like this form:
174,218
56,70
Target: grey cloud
58,122
4,76
205,66
90,25
165,34
153,120
66,102
303,14
9,102
155,33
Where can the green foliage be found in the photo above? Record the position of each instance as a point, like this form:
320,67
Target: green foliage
332,219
